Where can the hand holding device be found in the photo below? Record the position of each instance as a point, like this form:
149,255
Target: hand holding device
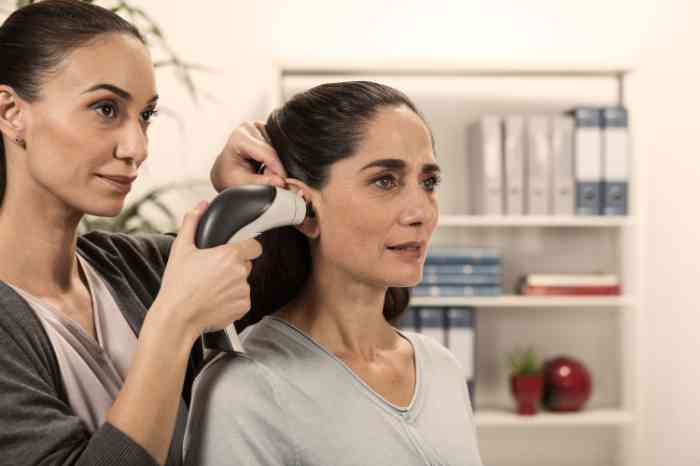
203,290
241,213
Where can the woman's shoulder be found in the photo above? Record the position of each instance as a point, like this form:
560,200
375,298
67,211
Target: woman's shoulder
229,365
133,264
27,358
271,354
239,396
232,379
263,347
282,348
18,322
104,243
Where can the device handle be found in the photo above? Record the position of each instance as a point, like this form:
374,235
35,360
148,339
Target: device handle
230,211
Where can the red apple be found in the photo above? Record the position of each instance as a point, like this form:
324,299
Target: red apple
567,384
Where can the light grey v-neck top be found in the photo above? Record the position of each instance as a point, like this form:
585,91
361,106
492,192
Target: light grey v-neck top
288,401
93,372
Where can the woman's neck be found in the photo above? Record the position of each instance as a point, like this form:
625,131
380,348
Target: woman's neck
342,314
37,246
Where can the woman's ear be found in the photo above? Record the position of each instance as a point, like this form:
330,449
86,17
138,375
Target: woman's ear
11,119
309,227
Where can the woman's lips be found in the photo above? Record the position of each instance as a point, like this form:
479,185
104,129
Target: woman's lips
118,182
410,250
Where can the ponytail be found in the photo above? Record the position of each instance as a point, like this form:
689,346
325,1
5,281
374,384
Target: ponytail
3,171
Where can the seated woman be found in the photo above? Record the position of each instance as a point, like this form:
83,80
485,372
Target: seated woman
326,379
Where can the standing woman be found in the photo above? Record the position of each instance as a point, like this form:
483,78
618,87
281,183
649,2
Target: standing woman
97,333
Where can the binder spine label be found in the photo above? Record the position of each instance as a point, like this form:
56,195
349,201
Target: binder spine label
538,160
588,198
563,186
514,165
588,168
616,198
485,167
615,150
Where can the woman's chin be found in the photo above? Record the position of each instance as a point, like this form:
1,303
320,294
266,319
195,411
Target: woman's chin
107,211
407,282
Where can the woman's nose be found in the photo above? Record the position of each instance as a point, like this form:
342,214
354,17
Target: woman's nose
419,210
133,145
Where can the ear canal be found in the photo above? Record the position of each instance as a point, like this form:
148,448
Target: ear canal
310,212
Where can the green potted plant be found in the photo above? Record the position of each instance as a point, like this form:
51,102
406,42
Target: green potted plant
526,380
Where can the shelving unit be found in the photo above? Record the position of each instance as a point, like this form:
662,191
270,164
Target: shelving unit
532,221
601,417
600,331
516,301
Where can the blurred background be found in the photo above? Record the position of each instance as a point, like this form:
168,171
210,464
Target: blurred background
641,347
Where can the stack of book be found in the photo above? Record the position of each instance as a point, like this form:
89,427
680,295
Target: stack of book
550,164
569,284
461,272
453,327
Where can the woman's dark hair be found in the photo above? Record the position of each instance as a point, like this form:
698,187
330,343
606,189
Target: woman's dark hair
311,132
35,39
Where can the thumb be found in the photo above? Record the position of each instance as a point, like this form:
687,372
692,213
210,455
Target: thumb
187,232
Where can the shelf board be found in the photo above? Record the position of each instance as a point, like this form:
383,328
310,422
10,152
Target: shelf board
501,418
533,221
524,301
448,68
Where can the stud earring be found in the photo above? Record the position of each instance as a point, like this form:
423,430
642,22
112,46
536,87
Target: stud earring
20,142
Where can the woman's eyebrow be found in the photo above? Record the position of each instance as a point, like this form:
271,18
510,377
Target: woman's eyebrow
396,164
115,90
431,168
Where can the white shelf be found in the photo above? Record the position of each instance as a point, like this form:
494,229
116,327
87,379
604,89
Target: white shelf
495,418
533,221
299,66
525,301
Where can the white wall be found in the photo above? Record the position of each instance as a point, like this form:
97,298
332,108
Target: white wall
666,98
659,38
232,40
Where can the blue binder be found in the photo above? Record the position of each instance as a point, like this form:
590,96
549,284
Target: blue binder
588,160
615,156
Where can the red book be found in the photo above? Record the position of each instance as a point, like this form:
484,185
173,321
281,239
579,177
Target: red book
571,290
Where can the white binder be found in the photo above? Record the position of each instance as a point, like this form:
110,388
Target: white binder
485,167
563,199
514,164
538,189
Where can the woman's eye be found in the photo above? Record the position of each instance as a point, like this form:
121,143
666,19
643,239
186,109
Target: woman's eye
432,183
107,110
147,115
385,182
